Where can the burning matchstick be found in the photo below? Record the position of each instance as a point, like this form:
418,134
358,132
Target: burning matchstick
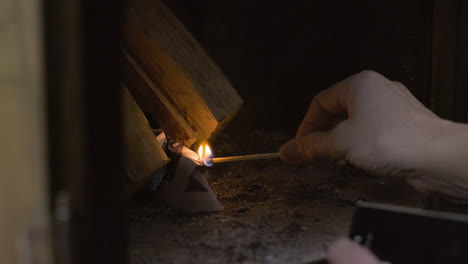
245,157
207,158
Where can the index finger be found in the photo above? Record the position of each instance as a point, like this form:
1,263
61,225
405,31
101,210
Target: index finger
325,107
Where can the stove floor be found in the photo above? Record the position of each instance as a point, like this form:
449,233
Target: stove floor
274,213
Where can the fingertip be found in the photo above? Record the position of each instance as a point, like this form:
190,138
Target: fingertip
289,152
346,251
343,244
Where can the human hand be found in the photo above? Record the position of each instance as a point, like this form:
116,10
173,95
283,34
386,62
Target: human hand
345,251
371,122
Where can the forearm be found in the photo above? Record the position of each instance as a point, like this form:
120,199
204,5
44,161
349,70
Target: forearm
443,163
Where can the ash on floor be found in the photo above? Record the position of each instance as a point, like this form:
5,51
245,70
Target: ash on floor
274,213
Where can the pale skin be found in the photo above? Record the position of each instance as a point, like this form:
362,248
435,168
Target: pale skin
378,125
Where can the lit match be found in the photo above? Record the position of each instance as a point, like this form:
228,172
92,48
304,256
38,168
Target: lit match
246,157
206,156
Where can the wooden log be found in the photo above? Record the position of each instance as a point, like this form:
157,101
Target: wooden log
154,103
143,156
179,69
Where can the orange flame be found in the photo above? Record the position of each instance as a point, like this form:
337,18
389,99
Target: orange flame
201,149
205,154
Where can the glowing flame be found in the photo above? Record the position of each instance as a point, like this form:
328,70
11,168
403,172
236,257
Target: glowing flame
205,155
200,152
208,152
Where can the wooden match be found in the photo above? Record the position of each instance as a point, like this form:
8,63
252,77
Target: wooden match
245,157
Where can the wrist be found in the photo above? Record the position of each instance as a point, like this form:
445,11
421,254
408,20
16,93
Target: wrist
441,162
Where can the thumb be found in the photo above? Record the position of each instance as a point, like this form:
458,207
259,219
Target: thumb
311,147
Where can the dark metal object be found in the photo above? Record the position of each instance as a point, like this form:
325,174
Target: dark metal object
85,127
403,235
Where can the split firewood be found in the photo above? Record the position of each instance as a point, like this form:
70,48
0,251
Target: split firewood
172,77
144,156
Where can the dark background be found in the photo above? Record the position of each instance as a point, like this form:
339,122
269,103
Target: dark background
279,54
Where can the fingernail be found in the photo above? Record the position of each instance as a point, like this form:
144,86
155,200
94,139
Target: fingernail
290,152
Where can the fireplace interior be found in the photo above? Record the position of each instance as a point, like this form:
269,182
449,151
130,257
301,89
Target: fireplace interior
131,89
277,57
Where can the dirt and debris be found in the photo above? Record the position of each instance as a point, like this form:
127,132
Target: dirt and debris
274,213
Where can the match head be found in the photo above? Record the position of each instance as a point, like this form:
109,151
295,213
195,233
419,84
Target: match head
208,161
205,155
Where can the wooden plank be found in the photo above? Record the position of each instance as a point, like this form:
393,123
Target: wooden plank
153,102
179,67
25,228
143,156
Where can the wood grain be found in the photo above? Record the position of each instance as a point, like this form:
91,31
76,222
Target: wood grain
179,67
143,155
154,103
